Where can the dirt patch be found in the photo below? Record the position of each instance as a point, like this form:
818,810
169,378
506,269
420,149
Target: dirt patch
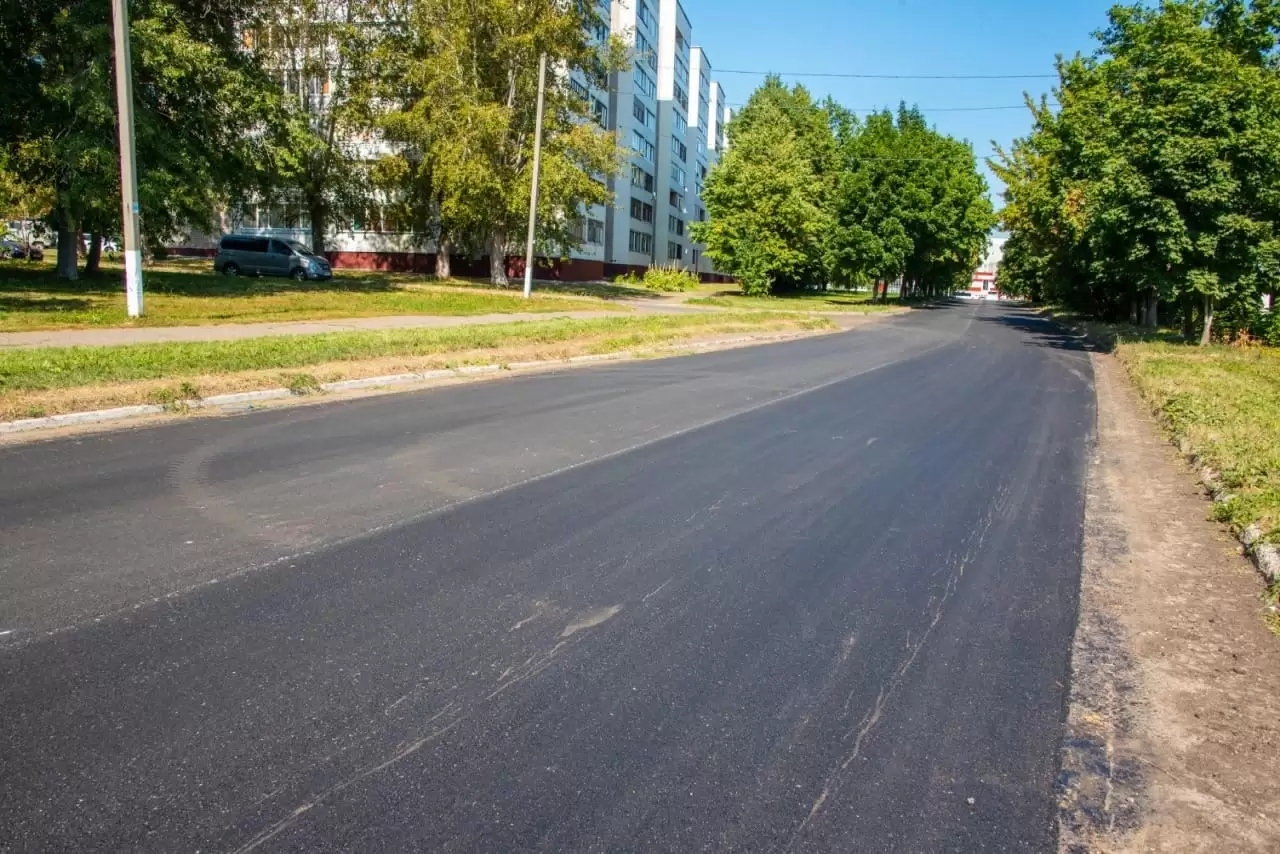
1174,720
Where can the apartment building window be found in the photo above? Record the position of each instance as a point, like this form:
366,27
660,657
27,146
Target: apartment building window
680,44
643,114
643,15
641,242
680,124
645,50
641,211
675,225
641,178
676,200
702,145
682,98
677,174
595,232
696,255
682,70
702,214
675,251
642,146
600,111
679,149
578,89
645,83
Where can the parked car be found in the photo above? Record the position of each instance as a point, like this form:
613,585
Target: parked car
240,254
10,248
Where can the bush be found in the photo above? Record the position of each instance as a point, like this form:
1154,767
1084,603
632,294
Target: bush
628,279
670,279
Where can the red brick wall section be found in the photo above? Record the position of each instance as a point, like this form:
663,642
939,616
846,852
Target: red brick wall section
550,269
387,262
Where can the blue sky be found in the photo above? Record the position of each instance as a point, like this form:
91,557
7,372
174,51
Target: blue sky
902,37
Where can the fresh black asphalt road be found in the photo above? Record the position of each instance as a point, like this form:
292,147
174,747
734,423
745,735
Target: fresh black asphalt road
813,596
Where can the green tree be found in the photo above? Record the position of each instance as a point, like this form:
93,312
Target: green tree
201,107
320,55
764,202
1157,180
463,79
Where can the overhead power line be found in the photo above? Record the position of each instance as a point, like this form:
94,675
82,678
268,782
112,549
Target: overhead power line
853,76
927,109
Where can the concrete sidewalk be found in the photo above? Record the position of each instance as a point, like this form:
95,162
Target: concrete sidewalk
116,336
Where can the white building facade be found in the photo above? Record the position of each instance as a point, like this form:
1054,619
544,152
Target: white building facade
669,115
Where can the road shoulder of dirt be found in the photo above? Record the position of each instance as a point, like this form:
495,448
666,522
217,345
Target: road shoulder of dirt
1173,724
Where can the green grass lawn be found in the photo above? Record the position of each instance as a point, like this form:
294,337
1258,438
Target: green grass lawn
189,293
1223,404
48,380
805,301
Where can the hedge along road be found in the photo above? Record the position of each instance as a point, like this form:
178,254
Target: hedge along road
811,596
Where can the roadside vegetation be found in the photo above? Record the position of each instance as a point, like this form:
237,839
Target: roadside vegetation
46,381
810,194
1222,405
668,279
218,134
1152,193
190,294
1147,196
855,301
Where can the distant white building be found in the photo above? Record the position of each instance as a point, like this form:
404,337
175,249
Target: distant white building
984,284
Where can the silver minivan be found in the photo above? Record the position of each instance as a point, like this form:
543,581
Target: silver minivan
242,254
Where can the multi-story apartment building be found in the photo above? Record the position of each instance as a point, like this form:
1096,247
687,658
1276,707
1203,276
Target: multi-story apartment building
700,153
669,115
630,222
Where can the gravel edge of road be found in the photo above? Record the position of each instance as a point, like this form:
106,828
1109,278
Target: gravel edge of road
37,428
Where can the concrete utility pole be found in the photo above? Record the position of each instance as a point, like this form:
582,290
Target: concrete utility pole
537,165
128,164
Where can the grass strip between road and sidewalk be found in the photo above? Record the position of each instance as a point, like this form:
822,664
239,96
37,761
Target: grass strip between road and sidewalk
50,381
817,301
1220,404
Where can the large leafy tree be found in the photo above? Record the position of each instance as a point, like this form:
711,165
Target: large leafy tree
463,81
320,53
786,122
1157,181
764,199
807,195
201,107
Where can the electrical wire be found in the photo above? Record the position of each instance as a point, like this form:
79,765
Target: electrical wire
854,76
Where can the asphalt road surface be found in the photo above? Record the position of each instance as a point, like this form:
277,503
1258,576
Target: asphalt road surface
810,596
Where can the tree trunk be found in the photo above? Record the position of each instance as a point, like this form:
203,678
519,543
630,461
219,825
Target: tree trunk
1150,318
444,266
1133,310
68,257
319,224
93,261
1188,316
1206,333
498,259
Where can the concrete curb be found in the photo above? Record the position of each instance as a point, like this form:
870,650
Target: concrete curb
1265,556
243,398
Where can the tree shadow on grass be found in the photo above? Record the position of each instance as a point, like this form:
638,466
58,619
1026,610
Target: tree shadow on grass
17,305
